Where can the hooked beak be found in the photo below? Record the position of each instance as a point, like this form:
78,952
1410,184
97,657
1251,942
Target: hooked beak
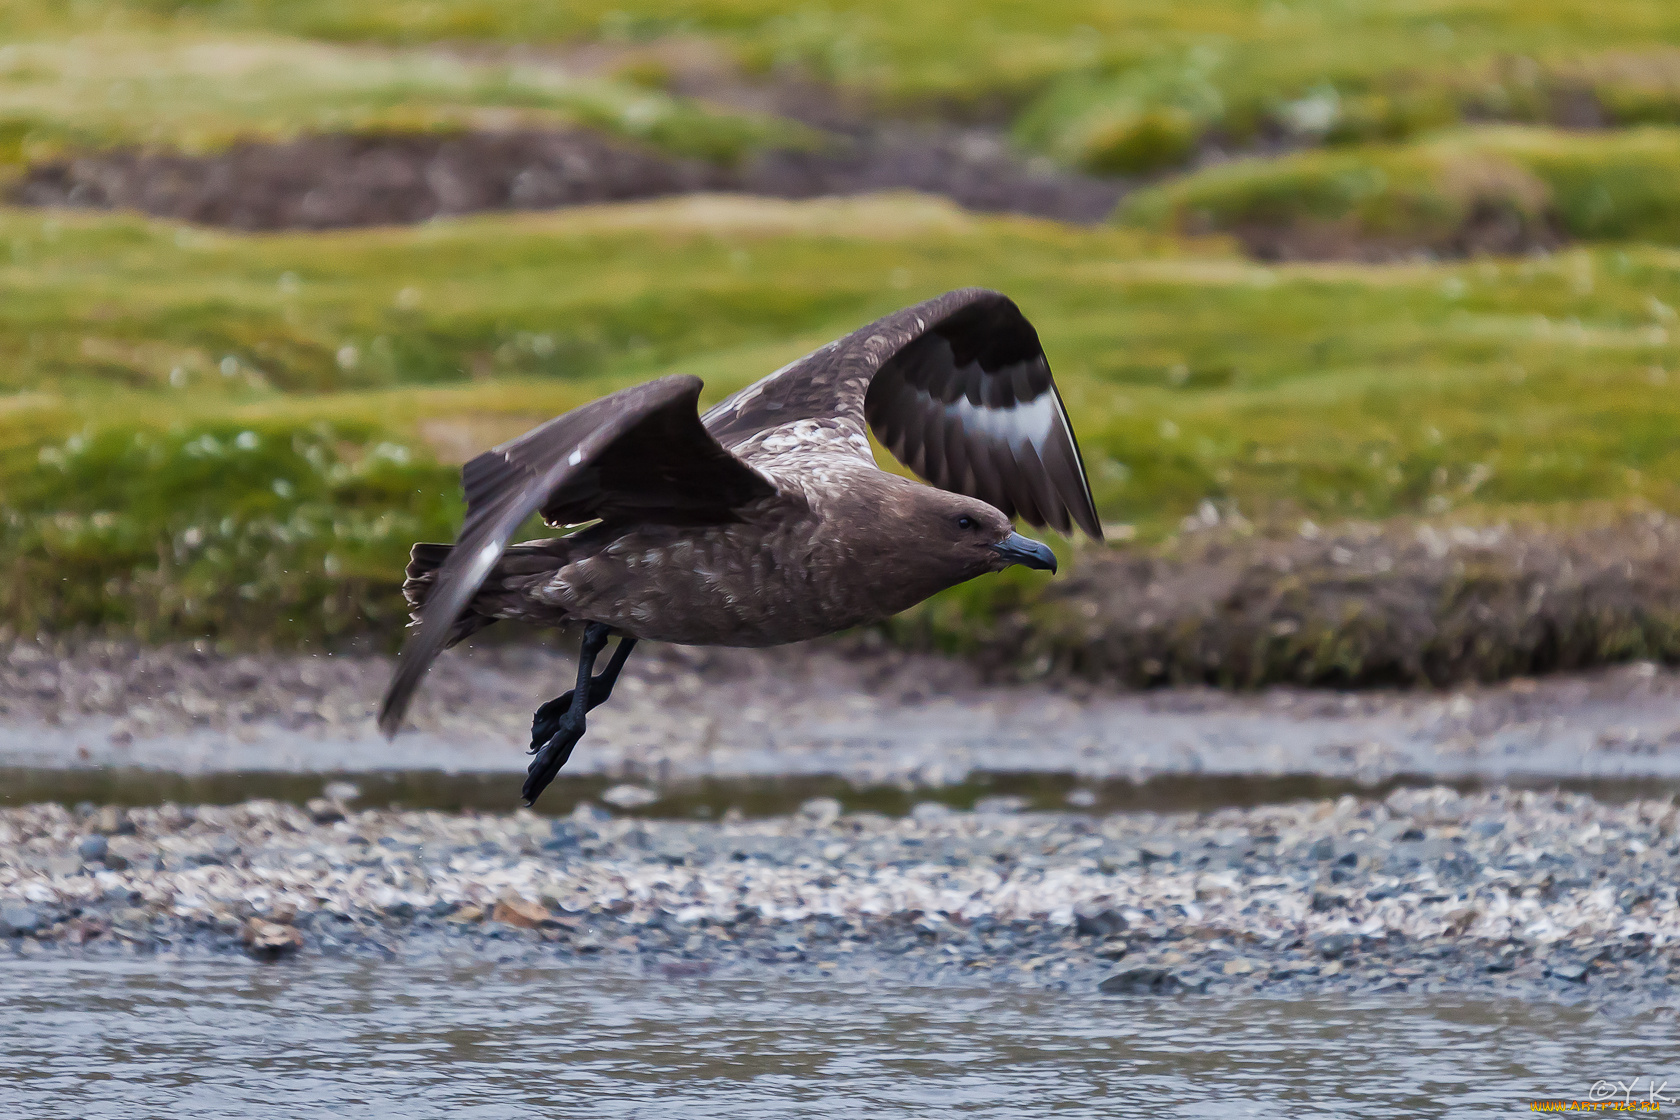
1016,549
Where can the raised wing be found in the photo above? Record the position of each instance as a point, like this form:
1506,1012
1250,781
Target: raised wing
639,453
957,388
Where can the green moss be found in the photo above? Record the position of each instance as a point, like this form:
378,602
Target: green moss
261,533
1593,186
1622,186
1197,381
1077,69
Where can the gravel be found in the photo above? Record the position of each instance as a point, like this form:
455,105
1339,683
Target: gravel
1567,895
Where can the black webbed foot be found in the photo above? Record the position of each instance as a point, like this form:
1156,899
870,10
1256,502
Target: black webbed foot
557,726
552,756
546,722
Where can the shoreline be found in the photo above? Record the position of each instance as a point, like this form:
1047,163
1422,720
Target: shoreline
870,716
1552,896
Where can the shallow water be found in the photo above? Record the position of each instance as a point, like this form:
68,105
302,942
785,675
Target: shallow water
324,1038
754,796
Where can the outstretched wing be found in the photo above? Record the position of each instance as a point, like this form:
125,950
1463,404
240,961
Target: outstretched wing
957,388
639,453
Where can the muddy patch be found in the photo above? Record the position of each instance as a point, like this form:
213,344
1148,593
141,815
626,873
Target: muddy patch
1364,605
325,182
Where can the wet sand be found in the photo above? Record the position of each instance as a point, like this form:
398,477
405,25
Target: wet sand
846,710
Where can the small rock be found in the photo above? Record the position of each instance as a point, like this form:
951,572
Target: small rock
466,915
1323,849
341,791
1113,950
515,910
1111,863
564,836
93,848
820,811
1336,944
225,846
270,940
676,970
1081,798
1142,980
132,918
629,797
1089,922
586,815
18,919
1158,850
1000,804
927,812
113,821
1573,971
673,849
1238,967
322,811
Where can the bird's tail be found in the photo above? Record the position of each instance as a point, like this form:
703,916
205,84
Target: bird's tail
423,564
498,596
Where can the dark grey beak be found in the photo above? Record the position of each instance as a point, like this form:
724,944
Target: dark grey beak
1016,549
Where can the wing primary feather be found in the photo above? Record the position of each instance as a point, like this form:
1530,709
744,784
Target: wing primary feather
1050,502
1020,488
935,454
1066,467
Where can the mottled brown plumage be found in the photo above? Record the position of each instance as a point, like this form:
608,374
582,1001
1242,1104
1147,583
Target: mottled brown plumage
766,521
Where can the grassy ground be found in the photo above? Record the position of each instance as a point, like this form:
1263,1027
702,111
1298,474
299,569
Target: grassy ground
240,435
189,90
1111,84
1615,185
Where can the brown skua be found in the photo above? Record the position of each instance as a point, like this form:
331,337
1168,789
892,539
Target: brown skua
765,521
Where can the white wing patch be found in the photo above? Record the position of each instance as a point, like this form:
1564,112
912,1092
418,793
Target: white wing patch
1029,422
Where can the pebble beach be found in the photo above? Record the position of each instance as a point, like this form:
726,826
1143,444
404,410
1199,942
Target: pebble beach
1424,890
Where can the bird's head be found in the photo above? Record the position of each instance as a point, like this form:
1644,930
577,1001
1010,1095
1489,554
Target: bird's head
963,537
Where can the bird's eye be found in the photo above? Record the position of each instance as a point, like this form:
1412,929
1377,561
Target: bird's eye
965,522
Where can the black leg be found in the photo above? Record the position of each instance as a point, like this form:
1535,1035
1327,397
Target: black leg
546,721
570,724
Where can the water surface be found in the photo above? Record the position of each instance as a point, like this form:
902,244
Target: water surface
331,1038
762,795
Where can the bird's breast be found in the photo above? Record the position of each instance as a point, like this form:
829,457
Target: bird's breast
740,585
